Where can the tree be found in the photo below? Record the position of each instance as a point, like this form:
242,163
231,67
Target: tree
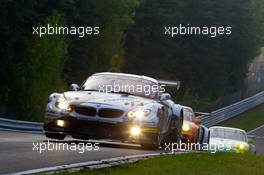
208,67
98,53
43,71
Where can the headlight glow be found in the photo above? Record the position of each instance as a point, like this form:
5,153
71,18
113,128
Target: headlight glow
64,105
135,131
241,146
185,127
60,123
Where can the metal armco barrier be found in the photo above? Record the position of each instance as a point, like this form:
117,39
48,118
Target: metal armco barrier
233,110
217,116
20,125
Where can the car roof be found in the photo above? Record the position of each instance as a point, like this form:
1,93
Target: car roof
223,127
129,75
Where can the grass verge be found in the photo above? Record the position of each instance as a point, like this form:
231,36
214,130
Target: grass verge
187,164
248,120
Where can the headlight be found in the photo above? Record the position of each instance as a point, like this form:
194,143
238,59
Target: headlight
241,146
138,113
60,123
63,105
135,131
185,127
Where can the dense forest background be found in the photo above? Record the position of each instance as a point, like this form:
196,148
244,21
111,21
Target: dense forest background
131,40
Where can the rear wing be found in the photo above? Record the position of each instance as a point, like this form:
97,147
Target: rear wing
169,83
202,114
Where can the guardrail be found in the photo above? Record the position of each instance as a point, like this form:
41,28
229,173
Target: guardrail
20,125
233,110
216,117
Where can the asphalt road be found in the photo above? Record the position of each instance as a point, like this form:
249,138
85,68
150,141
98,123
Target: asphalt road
18,151
17,154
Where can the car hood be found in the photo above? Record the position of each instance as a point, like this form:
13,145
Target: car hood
114,100
226,142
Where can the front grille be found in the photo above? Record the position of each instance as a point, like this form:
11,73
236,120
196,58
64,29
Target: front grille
90,111
110,113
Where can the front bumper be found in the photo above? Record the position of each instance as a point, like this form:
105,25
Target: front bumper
100,130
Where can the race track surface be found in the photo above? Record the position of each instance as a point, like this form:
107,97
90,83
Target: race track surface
16,152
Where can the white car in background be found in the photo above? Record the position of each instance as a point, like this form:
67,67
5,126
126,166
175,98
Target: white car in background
226,139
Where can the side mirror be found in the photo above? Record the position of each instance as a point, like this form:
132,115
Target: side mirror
197,121
74,87
165,96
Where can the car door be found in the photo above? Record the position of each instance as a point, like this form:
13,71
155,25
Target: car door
164,114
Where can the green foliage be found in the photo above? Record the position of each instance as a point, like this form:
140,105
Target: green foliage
258,14
43,69
17,18
95,53
187,164
208,67
130,41
33,67
248,120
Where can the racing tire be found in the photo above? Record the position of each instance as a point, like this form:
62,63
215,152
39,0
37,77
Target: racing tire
80,137
164,144
55,136
200,135
146,146
173,137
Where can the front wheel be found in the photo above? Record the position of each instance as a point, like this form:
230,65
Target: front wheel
147,146
55,136
80,137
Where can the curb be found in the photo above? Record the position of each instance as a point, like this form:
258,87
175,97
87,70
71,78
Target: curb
104,163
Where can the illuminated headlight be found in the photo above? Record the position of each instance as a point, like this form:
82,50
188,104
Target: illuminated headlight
135,131
185,127
138,113
60,123
241,146
63,104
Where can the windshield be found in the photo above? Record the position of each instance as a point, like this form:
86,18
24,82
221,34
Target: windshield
122,84
225,133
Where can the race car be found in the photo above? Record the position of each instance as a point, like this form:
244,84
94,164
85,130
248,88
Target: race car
192,129
227,139
116,106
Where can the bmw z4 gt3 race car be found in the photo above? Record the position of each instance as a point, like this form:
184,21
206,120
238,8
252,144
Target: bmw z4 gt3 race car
117,106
